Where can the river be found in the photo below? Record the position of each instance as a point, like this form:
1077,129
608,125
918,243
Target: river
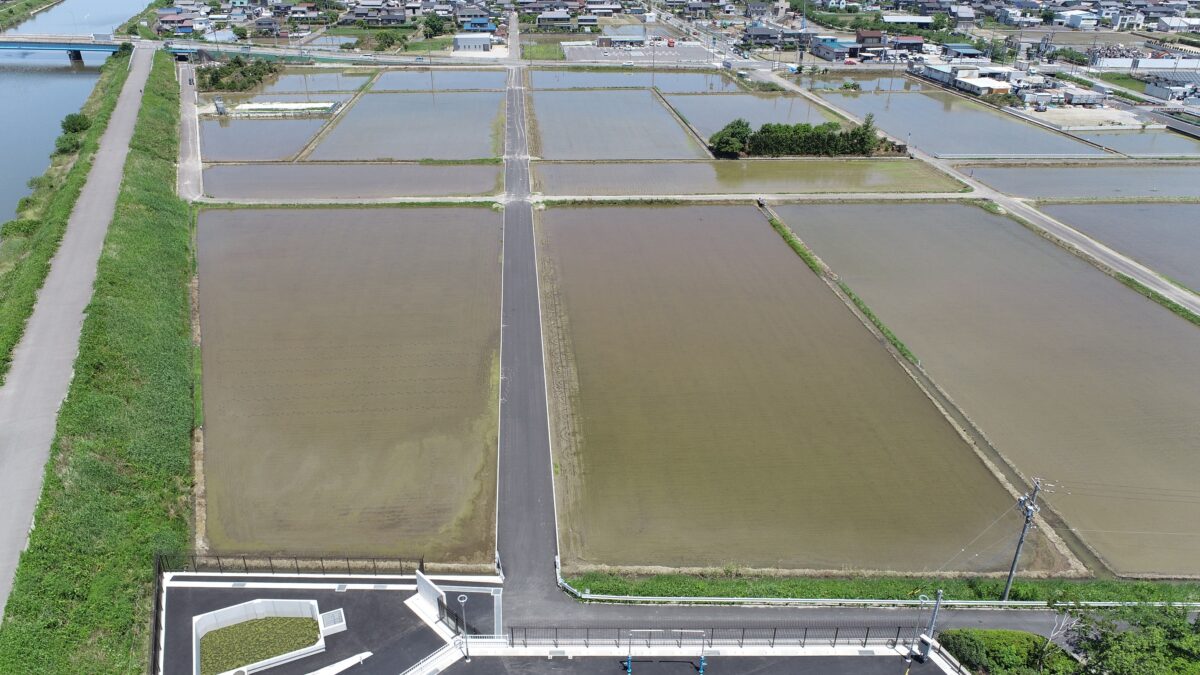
38,89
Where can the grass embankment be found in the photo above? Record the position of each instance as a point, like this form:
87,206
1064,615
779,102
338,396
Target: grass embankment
435,44
1175,308
134,25
816,266
117,484
30,241
546,51
884,588
252,641
14,13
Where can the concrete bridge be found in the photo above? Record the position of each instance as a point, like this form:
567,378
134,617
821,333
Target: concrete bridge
73,45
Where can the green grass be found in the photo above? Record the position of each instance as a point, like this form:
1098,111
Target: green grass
816,266
252,641
133,25
31,242
1174,307
1124,80
732,585
117,485
551,51
14,13
461,162
430,44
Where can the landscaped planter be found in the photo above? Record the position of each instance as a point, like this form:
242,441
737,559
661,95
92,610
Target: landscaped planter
250,611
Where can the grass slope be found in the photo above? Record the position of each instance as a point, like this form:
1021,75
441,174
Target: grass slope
30,242
13,13
116,487
885,588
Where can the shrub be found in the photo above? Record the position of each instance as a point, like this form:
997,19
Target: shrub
1005,652
67,144
21,227
75,123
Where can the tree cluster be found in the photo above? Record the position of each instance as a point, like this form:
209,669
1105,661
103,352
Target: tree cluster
786,140
238,74
434,25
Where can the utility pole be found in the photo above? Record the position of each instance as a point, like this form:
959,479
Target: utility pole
926,645
1028,504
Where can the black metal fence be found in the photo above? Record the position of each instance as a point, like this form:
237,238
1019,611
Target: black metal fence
815,634
287,564
451,617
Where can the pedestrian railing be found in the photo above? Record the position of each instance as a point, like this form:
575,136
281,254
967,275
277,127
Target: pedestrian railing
808,635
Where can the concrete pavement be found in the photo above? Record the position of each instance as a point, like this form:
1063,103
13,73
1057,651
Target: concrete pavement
43,362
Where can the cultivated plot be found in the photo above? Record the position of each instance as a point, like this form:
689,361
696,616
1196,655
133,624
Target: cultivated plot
441,79
709,114
1072,376
783,176
946,124
458,125
246,140
667,82
312,181
617,124
1149,143
309,81
1072,182
1163,237
350,362
715,403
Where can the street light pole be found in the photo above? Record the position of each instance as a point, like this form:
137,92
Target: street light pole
926,645
1028,504
462,607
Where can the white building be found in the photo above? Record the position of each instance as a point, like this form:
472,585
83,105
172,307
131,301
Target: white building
472,42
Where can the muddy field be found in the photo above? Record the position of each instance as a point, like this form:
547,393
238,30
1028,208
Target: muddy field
786,176
350,365
416,126
244,140
616,124
716,403
708,114
349,181
1074,377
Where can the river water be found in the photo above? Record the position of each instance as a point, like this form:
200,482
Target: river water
38,89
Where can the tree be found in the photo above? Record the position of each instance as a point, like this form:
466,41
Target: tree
239,32
1136,640
385,40
731,140
75,123
1047,16
941,21
434,26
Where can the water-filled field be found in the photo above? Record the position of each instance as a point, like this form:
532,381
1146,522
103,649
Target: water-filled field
709,114
309,181
350,365
714,402
1163,237
1152,142
244,140
946,124
784,176
1075,378
617,124
670,82
429,79
301,81
458,125
1116,180
867,81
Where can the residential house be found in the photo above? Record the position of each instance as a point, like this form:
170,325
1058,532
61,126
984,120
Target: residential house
758,10
557,17
869,38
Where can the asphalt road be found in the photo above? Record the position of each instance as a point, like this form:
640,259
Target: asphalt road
43,362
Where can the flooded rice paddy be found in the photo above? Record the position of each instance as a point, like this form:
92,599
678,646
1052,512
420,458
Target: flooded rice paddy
350,378
667,82
716,403
617,124
1163,237
867,82
247,140
307,81
945,124
417,126
1075,378
304,181
708,114
786,176
439,80
1073,182
1153,142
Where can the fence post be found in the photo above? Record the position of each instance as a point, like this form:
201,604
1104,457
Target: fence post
271,563
867,636
774,632
556,636
347,566
220,567
245,566
322,566
804,640
836,629
375,567
742,642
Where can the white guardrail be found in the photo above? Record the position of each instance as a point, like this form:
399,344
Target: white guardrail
855,602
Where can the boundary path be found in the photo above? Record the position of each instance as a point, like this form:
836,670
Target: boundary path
43,362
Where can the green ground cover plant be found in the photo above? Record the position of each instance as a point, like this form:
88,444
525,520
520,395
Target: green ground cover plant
117,486
1006,652
550,51
252,641
30,241
735,585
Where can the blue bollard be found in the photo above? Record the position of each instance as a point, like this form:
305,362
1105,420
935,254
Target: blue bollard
629,663
702,664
